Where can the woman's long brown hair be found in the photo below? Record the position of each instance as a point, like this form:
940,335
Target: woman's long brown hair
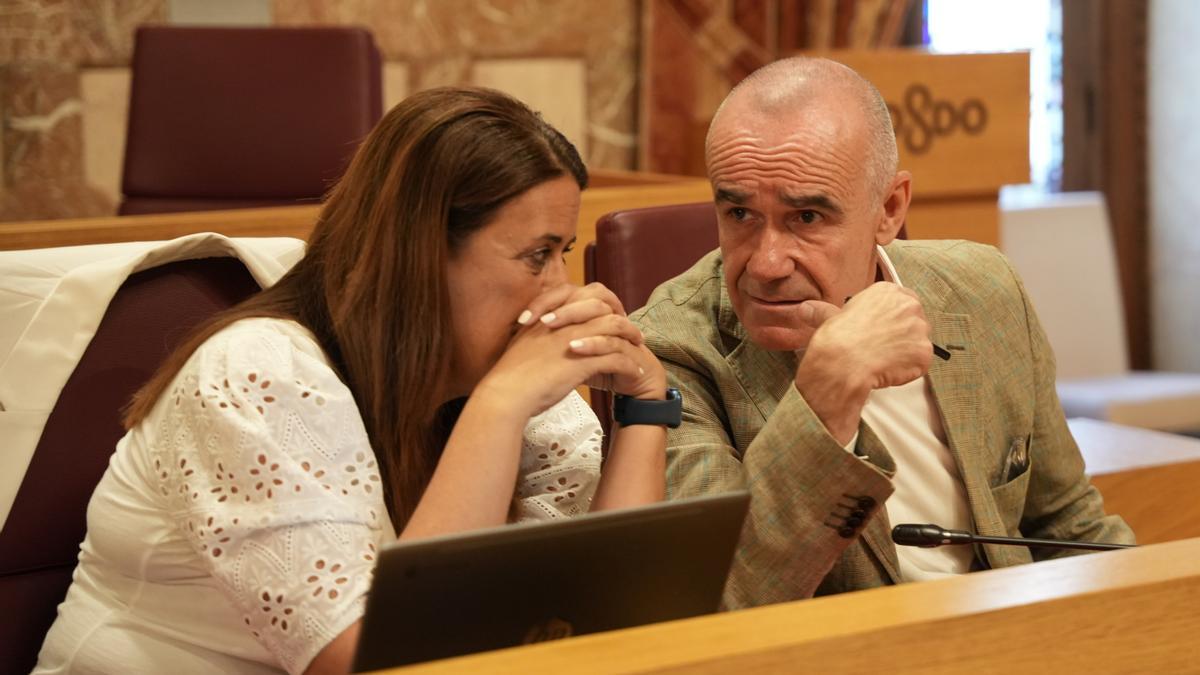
372,284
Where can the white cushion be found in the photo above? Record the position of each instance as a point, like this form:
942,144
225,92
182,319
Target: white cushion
1061,246
1151,400
52,300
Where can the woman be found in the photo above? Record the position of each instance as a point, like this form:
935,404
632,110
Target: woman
401,379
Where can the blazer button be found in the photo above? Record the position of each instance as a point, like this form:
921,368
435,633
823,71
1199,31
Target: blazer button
866,503
854,522
845,531
858,513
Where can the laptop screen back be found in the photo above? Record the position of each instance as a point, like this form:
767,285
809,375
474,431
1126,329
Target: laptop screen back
512,585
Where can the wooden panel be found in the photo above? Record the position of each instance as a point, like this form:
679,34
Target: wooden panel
296,221
104,93
1147,477
976,219
555,87
1123,611
1158,502
279,221
397,78
961,120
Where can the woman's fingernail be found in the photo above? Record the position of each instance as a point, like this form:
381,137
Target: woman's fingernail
525,317
576,344
548,318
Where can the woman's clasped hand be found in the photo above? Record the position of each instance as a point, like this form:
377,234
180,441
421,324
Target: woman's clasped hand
570,336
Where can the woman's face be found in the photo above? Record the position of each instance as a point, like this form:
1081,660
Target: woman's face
502,267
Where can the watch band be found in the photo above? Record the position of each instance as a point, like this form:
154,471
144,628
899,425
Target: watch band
628,411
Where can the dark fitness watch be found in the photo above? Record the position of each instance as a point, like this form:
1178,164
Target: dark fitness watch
628,410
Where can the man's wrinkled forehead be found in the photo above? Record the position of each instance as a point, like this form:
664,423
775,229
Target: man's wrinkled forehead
795,156
743,118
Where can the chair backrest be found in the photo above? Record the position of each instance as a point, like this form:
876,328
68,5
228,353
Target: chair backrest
1062,247
39,545
244,117
638,249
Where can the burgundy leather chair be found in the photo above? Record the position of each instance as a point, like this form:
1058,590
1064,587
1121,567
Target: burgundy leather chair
637,250
223,118
39,545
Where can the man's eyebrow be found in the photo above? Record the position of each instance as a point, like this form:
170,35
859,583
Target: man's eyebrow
731,195
809,201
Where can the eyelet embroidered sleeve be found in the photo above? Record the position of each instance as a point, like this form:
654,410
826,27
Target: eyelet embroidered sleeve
264,464
560,461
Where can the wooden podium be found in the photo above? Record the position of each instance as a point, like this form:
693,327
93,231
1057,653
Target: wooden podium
962,129
1133,611
961,122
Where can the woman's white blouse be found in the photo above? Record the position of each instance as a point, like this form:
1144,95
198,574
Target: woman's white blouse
236,528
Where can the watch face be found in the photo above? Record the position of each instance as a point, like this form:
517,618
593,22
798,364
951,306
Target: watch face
629,411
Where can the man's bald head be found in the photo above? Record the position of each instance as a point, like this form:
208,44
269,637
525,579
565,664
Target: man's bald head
804,84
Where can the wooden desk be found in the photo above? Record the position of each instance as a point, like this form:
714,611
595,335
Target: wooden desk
1147,477
1126,611
1136,610
619,191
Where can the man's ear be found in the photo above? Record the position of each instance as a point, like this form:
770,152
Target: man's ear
895,208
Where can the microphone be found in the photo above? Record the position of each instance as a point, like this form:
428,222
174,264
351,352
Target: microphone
932,536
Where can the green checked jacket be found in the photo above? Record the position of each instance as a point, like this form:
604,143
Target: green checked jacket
817,523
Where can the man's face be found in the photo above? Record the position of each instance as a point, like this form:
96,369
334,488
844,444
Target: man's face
796,216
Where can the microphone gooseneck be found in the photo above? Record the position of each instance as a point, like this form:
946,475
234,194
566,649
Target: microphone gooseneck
928,535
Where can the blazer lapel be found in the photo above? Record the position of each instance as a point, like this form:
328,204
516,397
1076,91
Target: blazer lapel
956,385
764,375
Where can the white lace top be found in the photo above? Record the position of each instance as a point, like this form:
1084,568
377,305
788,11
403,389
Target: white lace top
237,526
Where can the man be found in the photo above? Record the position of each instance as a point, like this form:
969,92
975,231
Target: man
804,349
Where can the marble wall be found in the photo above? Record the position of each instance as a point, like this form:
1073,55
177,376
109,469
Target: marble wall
575,61
694,51
45,47
631,82
64,76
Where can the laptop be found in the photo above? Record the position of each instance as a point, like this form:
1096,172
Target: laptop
506,586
